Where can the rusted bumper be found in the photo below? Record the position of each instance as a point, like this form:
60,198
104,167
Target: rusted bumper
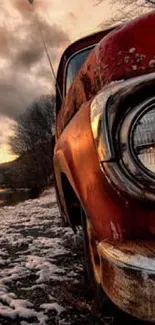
128,276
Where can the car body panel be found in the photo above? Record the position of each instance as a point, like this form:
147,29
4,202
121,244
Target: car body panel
114,215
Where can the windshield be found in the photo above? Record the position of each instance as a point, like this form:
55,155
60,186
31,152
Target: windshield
74,65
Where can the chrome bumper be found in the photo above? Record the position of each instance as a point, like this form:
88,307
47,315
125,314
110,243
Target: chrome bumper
128,276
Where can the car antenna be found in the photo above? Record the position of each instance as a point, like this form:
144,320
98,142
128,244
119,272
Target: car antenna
45,48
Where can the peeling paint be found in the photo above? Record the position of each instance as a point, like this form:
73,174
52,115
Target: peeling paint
134,67
152,63
132,50
126,59
131,287
114,231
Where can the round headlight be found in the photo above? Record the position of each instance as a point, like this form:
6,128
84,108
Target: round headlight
144,140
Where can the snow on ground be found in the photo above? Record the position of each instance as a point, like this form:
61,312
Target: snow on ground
40,266
41,272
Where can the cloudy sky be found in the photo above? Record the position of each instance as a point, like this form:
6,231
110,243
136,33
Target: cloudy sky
24,69
25,72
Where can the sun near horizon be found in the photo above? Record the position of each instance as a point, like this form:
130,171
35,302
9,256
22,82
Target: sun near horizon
5,155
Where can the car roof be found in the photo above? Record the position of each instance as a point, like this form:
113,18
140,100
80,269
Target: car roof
78,45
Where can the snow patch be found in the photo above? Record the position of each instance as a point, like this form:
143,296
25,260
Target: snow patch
32,243
53,306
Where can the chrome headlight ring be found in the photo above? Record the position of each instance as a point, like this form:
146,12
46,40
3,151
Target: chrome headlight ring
143,135
115,114
131,141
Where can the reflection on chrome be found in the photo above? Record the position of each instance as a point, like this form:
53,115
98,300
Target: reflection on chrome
144,140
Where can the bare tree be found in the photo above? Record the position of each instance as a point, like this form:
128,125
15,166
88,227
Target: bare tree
124,10
33,142
152,2
35,126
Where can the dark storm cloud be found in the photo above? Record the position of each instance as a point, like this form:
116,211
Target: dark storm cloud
54,34
45,73
6,41
32,49
16,92
29,50
25,8
28,57
22,49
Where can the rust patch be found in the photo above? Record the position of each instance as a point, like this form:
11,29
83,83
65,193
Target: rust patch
131,286
86,81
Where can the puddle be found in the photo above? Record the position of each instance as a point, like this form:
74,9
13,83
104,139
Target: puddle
14,196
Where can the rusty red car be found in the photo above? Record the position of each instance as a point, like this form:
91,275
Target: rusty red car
104,158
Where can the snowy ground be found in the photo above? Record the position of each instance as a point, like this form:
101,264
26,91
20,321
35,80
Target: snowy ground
41,271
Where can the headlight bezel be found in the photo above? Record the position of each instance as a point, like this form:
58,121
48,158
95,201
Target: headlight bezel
142,114
130,162
109,108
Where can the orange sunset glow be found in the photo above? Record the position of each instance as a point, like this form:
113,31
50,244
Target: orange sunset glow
5,155
6,125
